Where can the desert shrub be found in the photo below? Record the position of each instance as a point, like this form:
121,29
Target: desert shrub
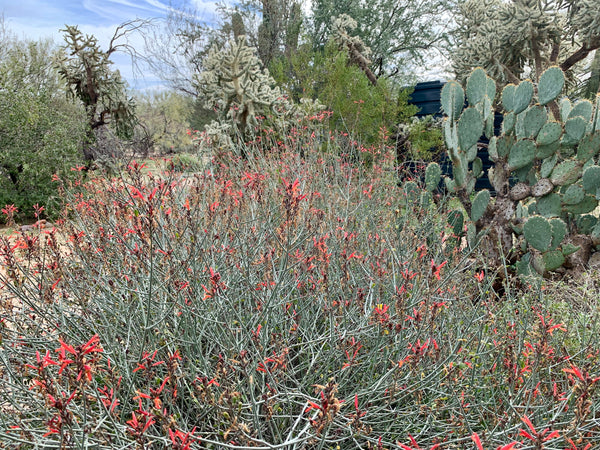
39,137
163,124
184,162
273,302
424,140
40,130
358,107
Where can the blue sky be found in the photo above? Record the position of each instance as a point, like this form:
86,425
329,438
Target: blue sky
35,19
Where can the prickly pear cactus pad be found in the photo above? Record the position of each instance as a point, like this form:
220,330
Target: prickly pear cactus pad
548,143
551,85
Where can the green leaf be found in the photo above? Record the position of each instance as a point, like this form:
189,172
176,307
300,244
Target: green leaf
575,127
549,205
521,154
553,260
491,89
456,221
480,204
493,149
538,233
477,167
433,175
535,118
508,97
549,133
582,108
591,179
450,135
508,124
559,231
470,128
548,165
588,204
573,195
566,172
546,151
588,147
565,109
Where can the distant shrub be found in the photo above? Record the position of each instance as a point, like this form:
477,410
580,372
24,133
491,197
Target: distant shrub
358,107
424,140
184,162
38,139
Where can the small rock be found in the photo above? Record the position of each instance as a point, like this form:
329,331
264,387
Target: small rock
594,261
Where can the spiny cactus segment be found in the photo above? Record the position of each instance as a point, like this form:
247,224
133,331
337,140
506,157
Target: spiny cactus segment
545,173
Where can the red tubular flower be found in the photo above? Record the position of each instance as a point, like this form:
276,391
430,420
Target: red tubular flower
534,435
414,444
477,441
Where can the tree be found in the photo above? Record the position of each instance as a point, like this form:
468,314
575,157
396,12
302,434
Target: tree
40,130
358,106
163,122
85,68
176,49
358,53
398,32
514,39
279,30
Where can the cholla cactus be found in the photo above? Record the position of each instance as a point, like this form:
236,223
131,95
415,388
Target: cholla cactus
553,158
514,39
85,68
356,48
238,89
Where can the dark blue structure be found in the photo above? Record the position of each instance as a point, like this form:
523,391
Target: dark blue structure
426,97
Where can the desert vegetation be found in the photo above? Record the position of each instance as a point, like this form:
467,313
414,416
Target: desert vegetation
240,262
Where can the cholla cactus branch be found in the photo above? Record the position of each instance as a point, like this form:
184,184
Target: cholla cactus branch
86,70
356,48
238,90
515,39
236,87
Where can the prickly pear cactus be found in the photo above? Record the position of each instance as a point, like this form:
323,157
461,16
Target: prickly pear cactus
545,173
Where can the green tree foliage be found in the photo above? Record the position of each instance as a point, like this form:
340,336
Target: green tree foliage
163,122
358,106
398,32
421,139
40,131
279,31
515,39
86,70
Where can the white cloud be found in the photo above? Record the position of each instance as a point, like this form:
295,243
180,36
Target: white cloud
41,19
120,10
